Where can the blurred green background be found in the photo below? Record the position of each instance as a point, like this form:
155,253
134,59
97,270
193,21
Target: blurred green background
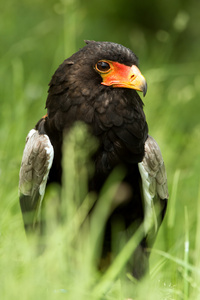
36,36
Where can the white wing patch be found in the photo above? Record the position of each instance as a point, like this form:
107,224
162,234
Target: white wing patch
154,182
36,162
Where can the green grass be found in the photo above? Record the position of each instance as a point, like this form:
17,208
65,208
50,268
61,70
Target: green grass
35,39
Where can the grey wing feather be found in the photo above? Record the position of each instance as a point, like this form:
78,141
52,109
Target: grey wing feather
154,183
36,162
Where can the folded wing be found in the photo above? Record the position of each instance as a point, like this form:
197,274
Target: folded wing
154,187
36,162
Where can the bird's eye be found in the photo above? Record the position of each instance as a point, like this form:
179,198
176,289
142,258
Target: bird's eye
103,66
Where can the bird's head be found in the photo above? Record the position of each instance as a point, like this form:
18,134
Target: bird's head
117,66
101,64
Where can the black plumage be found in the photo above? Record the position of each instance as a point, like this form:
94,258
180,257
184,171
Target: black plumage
81,91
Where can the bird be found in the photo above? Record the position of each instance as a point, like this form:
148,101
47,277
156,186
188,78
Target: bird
99,85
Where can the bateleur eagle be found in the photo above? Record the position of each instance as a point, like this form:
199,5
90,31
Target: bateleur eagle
98,85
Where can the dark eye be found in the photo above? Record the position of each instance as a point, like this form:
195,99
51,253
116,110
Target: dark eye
103,66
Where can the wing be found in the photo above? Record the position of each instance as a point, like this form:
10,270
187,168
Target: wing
154,187
36,162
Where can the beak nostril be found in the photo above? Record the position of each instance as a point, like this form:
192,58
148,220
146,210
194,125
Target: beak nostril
132,76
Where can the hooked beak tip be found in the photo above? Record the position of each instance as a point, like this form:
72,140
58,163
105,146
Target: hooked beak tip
138,81
144,89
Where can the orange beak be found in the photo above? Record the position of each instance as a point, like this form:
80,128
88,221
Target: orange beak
123,76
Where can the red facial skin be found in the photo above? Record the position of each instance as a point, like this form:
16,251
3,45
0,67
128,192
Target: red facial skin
120,75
